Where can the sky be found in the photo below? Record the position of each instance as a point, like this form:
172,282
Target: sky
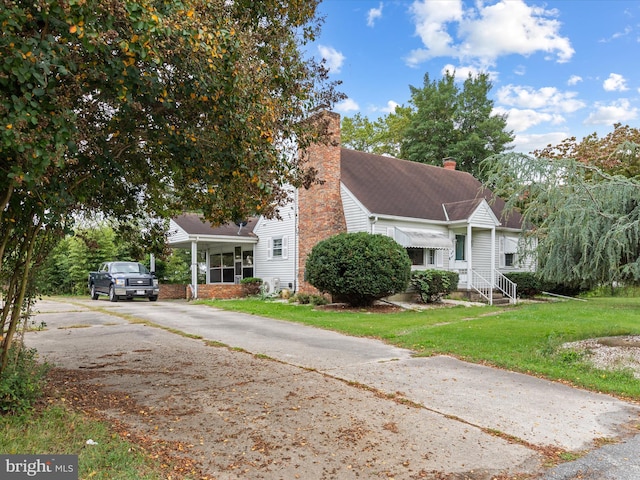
559,68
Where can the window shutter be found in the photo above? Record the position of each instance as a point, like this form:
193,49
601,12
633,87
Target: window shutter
439,258
501,260
285,247
269,248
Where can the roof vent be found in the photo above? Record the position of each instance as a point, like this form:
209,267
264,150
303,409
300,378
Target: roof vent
449,163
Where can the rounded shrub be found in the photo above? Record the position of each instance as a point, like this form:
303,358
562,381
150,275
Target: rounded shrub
358,268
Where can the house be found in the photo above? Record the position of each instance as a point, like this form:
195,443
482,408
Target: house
444,217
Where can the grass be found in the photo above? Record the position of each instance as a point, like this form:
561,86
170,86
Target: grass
525,338
57,430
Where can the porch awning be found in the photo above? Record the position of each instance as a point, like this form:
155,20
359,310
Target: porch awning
510,245
422,239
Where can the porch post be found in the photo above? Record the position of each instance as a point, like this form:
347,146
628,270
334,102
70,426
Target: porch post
207,261
469,257
194,268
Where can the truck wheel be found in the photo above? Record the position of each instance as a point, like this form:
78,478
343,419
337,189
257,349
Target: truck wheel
112,294
94,294
153,298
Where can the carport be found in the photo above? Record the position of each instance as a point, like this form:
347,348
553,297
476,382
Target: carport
229,252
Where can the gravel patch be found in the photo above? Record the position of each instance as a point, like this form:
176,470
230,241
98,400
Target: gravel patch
611,353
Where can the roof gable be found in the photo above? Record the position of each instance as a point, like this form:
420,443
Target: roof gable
390,186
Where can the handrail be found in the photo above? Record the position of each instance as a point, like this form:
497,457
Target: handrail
481,284
506,286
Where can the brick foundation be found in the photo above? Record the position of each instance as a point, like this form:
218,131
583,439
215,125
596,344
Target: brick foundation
172,291
320,212
205,291
218,291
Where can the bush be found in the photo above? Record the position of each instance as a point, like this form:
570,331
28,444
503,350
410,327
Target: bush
251,285
308,299
432,285
359,268
529,285
22,381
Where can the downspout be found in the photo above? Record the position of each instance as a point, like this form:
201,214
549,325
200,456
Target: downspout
296,254
373,220
469,257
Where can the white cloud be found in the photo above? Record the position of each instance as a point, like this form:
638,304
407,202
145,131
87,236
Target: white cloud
431,18
615,83
620,111
548,99
389,108
527,143
346,106
486,32
520,120
373,15
334,59
574,80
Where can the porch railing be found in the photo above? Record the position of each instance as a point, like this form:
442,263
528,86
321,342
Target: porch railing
481,283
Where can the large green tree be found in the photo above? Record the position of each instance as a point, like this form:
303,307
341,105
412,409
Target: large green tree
450,121
382,137
443,119
617,153
141,108
585,223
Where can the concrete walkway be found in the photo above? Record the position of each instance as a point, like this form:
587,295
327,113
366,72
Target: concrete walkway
537,412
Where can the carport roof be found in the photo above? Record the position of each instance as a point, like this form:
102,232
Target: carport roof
193,225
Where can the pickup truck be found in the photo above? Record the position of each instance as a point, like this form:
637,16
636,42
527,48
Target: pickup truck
123,279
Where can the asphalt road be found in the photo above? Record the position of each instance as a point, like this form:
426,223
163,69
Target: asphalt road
470,400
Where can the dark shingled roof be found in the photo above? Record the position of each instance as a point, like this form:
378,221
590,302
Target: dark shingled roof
193,224
389,186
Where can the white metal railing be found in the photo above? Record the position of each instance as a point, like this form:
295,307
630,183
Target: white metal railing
481,283
506,286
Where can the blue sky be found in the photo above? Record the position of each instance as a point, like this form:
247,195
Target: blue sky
559,68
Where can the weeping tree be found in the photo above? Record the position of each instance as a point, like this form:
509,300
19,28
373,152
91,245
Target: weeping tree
141,108
586,222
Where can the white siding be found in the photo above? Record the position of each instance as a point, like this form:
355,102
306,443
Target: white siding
356,216
176,233
481,250
483,216
283,268
522,262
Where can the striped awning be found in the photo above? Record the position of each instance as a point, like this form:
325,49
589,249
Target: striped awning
410,238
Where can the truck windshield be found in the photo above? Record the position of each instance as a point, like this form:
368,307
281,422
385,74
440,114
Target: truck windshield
129,267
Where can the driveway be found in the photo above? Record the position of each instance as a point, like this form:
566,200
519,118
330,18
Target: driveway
258,398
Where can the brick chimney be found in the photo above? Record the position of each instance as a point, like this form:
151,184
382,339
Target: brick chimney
449,163
320,212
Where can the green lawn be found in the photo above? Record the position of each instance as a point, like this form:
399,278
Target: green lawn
525,338
57,430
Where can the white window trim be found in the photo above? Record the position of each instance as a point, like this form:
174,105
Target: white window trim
284,248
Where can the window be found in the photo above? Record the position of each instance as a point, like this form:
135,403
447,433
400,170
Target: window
423,256
460,247
276,251
247,264
509,259
222,268
278,248
416,255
